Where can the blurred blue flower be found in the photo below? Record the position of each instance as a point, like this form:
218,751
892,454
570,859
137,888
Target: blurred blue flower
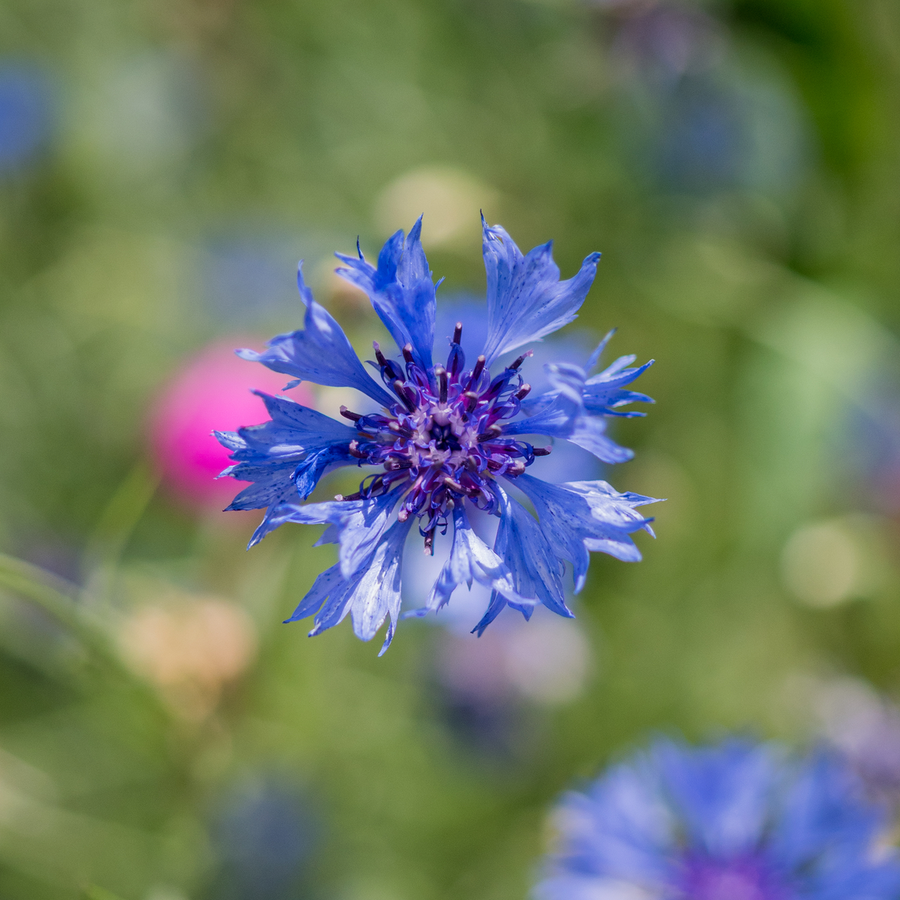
703,117
734,821
449,438
264,834
25,113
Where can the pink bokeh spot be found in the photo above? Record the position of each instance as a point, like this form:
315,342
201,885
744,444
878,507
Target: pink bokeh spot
211,391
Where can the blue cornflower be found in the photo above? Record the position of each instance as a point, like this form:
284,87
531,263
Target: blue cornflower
448,439
735,821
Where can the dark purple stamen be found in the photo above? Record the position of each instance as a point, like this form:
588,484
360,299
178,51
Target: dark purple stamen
442,441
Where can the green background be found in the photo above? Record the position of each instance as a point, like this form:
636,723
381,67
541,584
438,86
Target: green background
745,193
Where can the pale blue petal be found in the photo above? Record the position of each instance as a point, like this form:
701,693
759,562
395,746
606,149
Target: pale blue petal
564,416
601,394
526,299
604,393
496,605
284,457
336,607
580,517
281,482
535,568
470,560
590,435
615,838
272,485
401,289
293,428
230,440
320,353
357,525
328,583
378,595
825,810
308,472
598,351
370,595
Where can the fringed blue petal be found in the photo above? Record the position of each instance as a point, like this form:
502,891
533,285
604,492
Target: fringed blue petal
371,594
285,457
470,560
358,526
526,299
401,289
602,394
580,517
271,486
536,570
320,353
564,416
723,793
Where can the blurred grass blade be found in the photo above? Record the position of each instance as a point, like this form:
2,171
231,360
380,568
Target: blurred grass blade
117,523
60,599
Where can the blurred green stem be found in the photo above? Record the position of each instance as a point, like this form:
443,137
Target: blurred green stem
115,527
60,599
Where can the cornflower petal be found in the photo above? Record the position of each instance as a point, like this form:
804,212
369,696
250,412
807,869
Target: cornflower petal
815,813
284,457
320,353
281,444
616,835
377,594
307,474
292,426
272,484
601,394
470,560
284,478
526,299
370,595
358,526
304,478
565,416
536,570
328,584
583,516
401,290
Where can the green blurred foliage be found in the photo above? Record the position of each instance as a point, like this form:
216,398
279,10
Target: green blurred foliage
768,297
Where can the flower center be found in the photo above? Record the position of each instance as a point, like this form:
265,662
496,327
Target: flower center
744,878
442,441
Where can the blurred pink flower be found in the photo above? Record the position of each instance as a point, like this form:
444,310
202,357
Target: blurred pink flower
212,389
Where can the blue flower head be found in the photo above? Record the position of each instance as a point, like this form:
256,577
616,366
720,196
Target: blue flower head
734,821
448,438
